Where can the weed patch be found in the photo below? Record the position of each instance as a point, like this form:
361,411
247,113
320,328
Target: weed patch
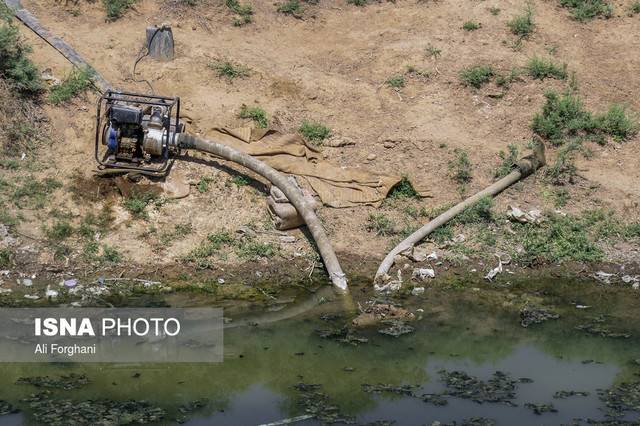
74,84
249,248
15,66
60,230
200,255
229,70
476,76
433,52
508,159
240,180
471,26
396,81
5,258
291,7
584,10
244,12
137,203
635,8
256,114
403,189
116,8
31,192
314,132
522,25
540,69
380,224
460,167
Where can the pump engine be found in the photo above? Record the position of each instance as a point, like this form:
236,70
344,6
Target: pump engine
137,132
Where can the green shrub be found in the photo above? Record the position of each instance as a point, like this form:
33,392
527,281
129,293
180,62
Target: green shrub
116,8
75,83
61,230
381,224
314,132
290,7
256,114
15,66
110,254
540,69
476,76
495,11
396,81
244,12
507,161
403,189
229,70
635,7
481,211
249,248
210,246
137,203
358,2
564,117
583,10
460,167
240,180
5,258
522,25
433,52
471,26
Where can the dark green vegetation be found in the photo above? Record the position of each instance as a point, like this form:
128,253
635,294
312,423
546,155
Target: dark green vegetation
246,247
75,83
583,10
540,69
243,12
314,132
477,75
116,8
404,189
137,202
522,25
433,52
508,159
564,118
230,70
358,2
380,224
15,66
471,26
256,114
460,167
396,81
635,7
290,7
28,191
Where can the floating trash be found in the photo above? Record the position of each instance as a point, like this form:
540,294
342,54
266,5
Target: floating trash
68,382
535,315
541,408
396,328
566,394
342,335
73,282
597,328
319,405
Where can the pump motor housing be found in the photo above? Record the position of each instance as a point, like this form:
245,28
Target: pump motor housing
137,132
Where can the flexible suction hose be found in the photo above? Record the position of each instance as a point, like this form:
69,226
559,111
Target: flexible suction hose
523,168
296,198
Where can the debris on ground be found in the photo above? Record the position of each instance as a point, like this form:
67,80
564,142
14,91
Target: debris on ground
597,328
66,382
423,273
417,291
562,394
406,390
372,313
396,328
517,215
541,408
494,272
319,405
535,315
187,409
500,388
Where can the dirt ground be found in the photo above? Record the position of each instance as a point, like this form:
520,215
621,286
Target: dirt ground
330,65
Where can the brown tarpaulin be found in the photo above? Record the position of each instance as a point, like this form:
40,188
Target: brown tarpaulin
336,186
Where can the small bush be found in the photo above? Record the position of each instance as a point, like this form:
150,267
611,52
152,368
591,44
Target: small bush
397,81
229,70
214,242
290,7
564,117
481,211
203,184
137,203
506,79
256,114
75,83
5,258
471,26
358,2
403,189
314,132
244,12
116,8
381,224
15,66
540,69
240,180
433,52
249,248
495,11
476,76
522,25
507,161
584,10
61,230
111,254
460,167
635,7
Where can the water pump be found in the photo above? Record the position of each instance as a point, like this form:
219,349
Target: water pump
137,132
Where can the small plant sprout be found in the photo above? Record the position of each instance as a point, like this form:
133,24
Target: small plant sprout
396,81
476,76
471,26
522,25
256,114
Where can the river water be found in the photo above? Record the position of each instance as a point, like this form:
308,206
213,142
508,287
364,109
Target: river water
269,369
